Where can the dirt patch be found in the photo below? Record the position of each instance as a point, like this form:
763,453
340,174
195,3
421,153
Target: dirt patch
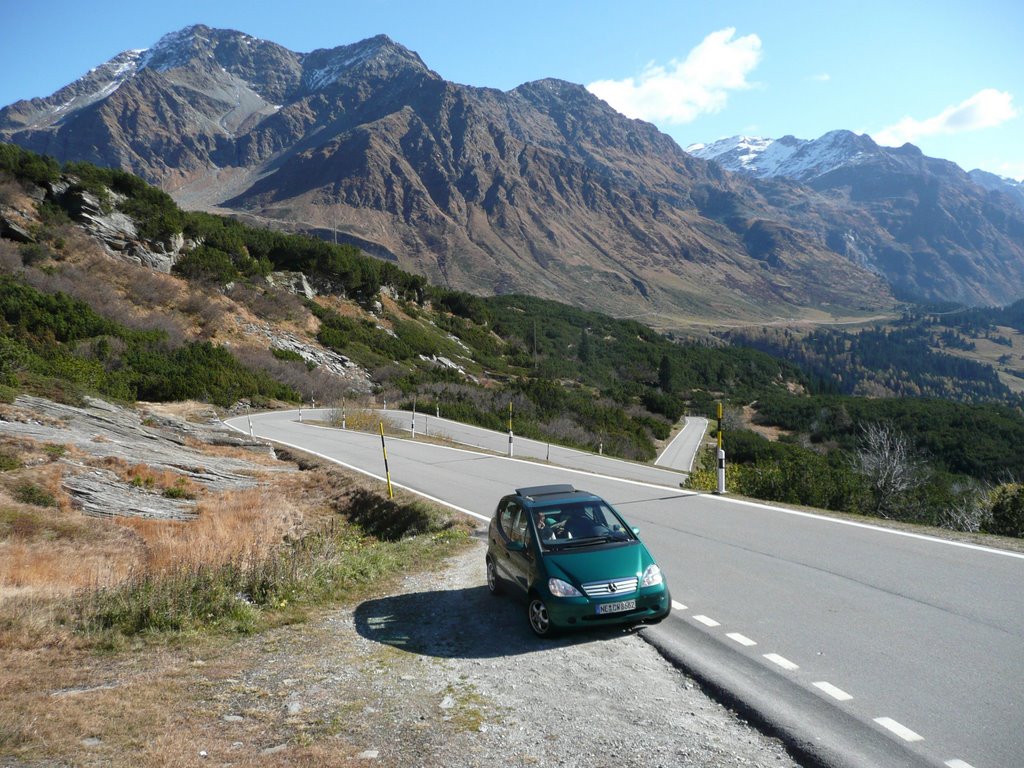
434,673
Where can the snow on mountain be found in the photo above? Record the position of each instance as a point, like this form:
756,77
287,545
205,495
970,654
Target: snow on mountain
789,156
324,67
994,183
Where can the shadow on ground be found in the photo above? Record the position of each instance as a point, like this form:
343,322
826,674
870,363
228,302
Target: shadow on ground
461,623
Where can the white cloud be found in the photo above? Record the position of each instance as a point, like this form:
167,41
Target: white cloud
985,109
681,91
1013,171
824,77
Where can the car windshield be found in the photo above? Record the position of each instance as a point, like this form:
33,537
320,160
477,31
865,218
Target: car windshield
579,524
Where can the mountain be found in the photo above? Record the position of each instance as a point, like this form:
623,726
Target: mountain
994,183
938,232
543,189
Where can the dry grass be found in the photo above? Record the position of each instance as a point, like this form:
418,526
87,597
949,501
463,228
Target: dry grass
160,702
234,524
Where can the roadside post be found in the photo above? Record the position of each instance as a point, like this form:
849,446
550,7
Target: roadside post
250,424
387,472
510,449
414,419
721,454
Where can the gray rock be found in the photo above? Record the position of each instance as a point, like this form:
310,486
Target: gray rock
100,429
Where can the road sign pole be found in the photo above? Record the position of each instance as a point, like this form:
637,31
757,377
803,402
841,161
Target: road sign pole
387,472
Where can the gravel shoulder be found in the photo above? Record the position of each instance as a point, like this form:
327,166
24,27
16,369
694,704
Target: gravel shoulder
441,673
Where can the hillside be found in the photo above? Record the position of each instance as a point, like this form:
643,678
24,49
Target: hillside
233,319
543,190
940,233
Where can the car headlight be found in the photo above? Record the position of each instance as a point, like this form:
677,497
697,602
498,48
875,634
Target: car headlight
652,576
560,588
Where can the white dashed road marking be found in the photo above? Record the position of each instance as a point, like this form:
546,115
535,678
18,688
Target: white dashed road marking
678,606
900,730
741,639
706,621
782,661
835,693
958,764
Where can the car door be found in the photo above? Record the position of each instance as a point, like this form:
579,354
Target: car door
520,554
505,534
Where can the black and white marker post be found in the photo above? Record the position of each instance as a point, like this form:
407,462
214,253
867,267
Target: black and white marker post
721,454
510,450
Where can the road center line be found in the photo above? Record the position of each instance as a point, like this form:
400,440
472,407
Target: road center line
958,764
706,621
782,661
836,693
678,606
900,730
741,639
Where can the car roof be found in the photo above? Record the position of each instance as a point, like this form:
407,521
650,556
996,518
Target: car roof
544,494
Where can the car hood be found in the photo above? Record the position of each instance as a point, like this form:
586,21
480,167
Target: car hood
582,566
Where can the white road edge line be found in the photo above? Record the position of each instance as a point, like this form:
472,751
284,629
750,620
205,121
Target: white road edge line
667,448
741,639
680,491
836,693
382,479
900,730
782,661
706,621
678,606
490,455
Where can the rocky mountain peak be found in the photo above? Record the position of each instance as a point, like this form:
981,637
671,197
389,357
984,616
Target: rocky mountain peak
544,189
378,56
176,49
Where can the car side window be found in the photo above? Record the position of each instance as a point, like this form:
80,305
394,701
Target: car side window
519,526
508,518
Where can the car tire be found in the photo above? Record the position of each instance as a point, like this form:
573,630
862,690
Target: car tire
537,615
493,580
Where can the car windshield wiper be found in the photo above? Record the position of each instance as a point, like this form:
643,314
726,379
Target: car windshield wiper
588,541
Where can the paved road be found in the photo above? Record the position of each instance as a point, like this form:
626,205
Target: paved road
524,448
682,451
861,646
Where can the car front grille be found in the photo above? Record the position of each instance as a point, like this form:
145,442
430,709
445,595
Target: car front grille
611,587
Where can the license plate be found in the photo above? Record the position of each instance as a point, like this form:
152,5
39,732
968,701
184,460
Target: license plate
619,607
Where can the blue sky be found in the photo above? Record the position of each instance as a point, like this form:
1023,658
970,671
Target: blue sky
947,76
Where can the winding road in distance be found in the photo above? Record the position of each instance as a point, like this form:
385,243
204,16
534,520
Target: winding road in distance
862,647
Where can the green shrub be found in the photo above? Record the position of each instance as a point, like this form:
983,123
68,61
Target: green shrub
179,490
54,450
289,355
391,520
9,459
30,493
1007,511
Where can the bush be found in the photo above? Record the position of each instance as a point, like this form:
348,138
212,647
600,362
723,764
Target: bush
1007,511
391,520
9,459
30,493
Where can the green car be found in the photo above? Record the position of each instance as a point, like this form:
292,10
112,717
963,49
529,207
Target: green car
574,559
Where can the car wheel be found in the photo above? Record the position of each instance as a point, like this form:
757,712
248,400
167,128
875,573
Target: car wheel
540,622
493,580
